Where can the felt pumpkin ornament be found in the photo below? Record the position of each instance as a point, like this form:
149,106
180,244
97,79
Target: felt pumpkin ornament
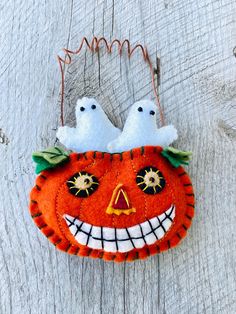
122,202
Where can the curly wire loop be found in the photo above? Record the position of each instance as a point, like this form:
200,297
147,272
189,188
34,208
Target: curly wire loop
94,46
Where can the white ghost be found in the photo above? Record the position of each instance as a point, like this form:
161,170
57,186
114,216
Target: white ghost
93,128
140,129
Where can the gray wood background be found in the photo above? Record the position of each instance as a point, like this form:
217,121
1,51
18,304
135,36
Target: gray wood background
195,41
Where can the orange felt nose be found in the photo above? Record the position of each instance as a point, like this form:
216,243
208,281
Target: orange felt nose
119,203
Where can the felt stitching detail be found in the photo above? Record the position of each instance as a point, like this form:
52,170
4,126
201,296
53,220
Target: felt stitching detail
38,187
190,218
36,215
189,194
51,233
43,226
191,205
178,235
76,251
68,247
57,242
185,228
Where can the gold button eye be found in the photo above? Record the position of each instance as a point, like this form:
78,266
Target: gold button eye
150,180
82,184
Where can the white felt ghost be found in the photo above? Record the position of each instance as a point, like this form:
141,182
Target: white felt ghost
140,129
93,128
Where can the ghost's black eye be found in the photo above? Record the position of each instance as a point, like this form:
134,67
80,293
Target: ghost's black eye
150,180
93,106
82,108
140,109
82,184
152,112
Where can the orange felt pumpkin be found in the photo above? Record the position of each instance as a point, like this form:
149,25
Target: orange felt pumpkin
114,206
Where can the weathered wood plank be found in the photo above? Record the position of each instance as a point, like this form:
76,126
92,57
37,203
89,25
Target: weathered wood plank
195,42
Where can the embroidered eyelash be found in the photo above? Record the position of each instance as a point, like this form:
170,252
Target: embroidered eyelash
82,184
150,180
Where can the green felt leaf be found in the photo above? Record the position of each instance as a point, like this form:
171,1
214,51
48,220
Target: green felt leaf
53,155
49,158
36,158
43,165
176,157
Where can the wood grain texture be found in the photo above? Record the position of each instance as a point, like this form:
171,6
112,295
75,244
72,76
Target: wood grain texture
195,41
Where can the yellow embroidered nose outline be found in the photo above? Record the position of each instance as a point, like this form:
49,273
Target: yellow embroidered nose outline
119,203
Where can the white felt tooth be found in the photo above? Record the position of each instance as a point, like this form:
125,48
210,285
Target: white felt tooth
150,238
140,129
162,216
146,227
96,232
93,128
159,232
125,246
138,243
86,227
94,243
166,224
155,223
109,233
81,237
121,234
110,246
135,232
73,229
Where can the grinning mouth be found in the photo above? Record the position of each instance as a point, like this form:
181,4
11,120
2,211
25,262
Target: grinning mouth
121,239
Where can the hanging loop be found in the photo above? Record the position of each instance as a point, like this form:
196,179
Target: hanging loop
94,46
